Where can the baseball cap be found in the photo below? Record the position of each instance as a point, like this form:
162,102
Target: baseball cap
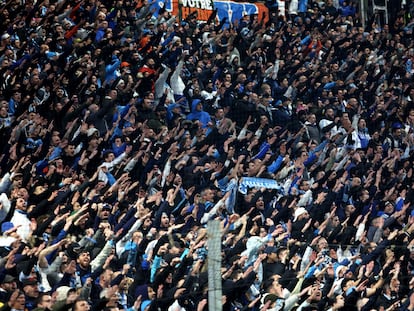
397,125
5,226
270,249
8,279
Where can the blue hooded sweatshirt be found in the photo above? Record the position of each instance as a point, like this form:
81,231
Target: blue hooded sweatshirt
201,115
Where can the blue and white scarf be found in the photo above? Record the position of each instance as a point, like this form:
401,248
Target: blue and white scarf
254,182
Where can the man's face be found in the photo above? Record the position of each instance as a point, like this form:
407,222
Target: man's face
9,286
93,142
17,96
31,291
110,157
19,303
147,223
55,140
356,182
84,260
389,208
81,305
21,204
260,204
118,141
18,183
46,302
165,221
209,195
60,93
219,114
113,94
330,113
397,133
151,63
349,209
333,254
322,244
105,213
107,275
151,293
100,185
3,112
339,301
345,119
70,150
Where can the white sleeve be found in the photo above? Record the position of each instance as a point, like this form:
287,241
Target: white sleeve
177,83
130,165
102,256
305,258
160,83
213,211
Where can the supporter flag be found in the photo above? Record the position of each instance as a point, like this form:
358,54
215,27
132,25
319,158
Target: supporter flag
200,8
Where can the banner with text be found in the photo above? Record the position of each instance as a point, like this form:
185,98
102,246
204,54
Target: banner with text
232,10
204,8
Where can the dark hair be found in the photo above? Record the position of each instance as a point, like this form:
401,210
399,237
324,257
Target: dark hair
345,281
40,297
267,283
78,300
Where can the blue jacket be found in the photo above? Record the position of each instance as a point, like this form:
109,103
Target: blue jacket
201,116
110,70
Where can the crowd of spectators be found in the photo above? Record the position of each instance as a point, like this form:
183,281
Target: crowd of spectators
125,130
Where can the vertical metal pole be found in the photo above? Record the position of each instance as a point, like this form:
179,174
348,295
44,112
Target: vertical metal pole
362,10
214,265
